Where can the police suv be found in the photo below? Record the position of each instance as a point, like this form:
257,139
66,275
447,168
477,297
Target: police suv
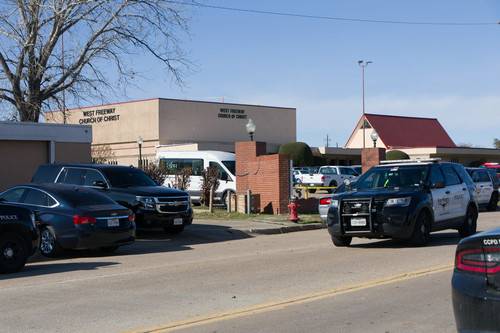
404,200
18,237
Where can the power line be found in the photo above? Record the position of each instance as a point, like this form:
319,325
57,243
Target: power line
330,18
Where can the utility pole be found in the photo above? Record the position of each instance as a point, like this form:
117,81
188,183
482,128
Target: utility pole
363,64
327,141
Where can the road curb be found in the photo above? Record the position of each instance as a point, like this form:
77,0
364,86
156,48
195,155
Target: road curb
285,229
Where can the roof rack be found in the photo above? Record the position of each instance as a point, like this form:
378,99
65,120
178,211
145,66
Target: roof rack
422,160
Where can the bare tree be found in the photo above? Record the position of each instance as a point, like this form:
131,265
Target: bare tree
77,47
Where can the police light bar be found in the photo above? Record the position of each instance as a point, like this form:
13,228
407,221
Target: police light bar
422,160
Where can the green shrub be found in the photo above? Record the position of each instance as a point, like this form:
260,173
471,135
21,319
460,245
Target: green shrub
396,155
299,152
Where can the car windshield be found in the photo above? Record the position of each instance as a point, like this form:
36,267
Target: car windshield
127,177
231,166
392,177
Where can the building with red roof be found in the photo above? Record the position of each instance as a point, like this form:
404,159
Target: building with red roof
419,138
399,132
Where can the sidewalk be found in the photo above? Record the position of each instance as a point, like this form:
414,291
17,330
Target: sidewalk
261,225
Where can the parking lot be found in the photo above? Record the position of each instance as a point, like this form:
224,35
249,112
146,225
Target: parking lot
213,278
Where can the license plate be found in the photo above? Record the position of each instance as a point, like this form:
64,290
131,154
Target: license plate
311,184
178,221
358,222
113,223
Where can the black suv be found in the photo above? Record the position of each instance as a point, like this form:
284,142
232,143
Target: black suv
153,205
18,237
404,201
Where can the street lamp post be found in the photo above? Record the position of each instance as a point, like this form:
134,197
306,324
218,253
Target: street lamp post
363,64
140,141
250,126
374,137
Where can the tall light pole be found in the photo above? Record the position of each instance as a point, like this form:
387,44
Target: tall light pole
363,64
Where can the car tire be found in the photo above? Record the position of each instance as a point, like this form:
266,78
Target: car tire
492,205
470,224
13,253
49,247
108,249
312,191
422,230
332,184
174,230
341,241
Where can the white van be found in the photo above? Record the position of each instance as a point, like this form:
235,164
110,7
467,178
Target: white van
198,161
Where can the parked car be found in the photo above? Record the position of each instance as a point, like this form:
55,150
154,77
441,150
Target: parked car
325,202
297,177
71,217
476,283
338,174
18,237
152,204
493,166
486,188
405,201
197,161
329,176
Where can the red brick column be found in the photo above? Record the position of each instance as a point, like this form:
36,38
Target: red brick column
267,176
371,157
246,152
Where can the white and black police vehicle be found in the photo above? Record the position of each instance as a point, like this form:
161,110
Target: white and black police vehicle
404,200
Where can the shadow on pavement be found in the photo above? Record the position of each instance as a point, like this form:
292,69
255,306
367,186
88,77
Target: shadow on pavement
154,241
437,239
36,269
157,241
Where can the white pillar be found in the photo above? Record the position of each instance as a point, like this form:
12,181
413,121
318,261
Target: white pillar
52,152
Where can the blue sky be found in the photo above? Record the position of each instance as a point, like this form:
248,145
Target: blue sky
451,73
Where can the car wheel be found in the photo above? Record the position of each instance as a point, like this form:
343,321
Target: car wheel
341,241
422,230
332,184
49,246
312,191
174,230
470,224
13,253
108,249
492,205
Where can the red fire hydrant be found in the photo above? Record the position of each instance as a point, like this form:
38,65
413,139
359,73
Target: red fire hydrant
293,207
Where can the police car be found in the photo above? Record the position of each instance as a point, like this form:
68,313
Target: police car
18,237
476,283
404,200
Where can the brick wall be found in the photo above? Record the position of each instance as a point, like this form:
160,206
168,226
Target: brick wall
267,176
371,157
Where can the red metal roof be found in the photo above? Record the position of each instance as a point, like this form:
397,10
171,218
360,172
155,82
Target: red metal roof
409,132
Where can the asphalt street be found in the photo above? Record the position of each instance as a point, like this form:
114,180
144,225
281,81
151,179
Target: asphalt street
217,279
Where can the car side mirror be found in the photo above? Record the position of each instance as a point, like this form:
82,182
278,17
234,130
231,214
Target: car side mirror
100,184
438,185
